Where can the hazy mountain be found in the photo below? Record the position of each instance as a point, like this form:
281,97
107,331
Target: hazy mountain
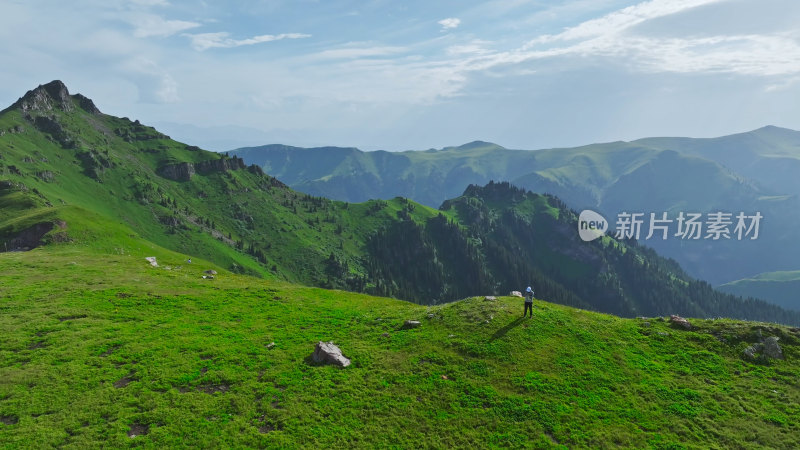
749,172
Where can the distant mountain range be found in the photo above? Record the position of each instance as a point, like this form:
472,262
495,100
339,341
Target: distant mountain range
71,175
748,172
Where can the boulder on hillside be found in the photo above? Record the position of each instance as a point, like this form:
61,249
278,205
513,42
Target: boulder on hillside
766,349
408,324
680,322
210,272
490,298
328,353
772,349
515,294
152,261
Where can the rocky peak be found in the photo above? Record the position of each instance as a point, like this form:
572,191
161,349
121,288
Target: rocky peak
46,97
53,95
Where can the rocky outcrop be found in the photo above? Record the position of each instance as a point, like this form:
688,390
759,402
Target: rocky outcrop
86,104
51,126
766,349
178,172
515,294
680,322
328,353
184,171
46,98
31,237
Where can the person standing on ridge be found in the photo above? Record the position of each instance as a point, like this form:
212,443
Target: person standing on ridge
528,301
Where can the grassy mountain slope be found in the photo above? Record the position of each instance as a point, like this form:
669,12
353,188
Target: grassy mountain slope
58,157
63,160
96,347
780,288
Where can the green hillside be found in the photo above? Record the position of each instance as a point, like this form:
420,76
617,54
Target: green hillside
99,347
780,288
63,160
748,172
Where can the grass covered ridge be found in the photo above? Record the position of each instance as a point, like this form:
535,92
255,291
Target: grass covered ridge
96,345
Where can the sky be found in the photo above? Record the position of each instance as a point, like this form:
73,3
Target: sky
415,74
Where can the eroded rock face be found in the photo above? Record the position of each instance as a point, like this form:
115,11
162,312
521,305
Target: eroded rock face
328,353
178,172
184,171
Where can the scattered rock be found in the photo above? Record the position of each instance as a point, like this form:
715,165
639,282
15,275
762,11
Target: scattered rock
794,330
431,315
152,261
138,429
386,335
208,277
271,345
328,353
444,377
679,321
408,324
490,298
210,272
516,294
9,420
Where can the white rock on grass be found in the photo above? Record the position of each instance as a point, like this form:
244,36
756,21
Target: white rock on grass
411,324
328,353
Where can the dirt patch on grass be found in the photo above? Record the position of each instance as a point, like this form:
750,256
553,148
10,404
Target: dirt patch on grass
138,429
124,381
213,388
206,357
9,420
109,351
37,345
72,317
265,427
207,388
124,295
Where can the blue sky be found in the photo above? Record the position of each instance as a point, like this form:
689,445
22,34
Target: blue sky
401,75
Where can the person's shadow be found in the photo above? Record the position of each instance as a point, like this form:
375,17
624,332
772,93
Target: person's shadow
502,331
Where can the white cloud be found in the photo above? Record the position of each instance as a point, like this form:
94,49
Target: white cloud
449,23
151,25
359,52
205,41
154,84
621,20
474,47
616,37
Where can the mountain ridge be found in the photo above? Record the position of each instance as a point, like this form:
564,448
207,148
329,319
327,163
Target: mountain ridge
213,206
